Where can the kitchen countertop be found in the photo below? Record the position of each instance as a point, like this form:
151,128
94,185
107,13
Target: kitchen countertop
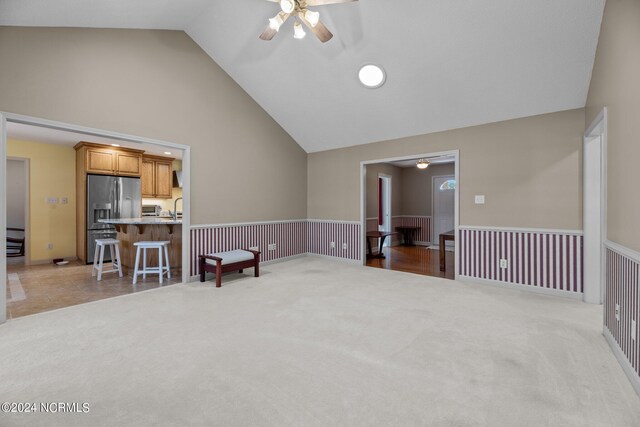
144,220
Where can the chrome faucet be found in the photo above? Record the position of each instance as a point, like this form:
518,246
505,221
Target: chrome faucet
175,208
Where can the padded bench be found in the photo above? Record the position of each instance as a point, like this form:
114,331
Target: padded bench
222,262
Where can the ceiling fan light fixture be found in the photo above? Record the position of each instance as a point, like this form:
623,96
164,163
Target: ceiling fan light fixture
423,163
287,6
298,31
372,76
312,17
276,22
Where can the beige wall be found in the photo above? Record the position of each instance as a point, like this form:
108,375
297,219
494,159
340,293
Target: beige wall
52,173
529,170
616,84
160,84
417,188
372,188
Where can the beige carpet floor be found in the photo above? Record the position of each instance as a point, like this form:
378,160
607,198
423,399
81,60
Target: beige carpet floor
317,342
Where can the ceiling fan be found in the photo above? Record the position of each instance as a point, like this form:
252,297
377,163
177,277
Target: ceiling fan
299,9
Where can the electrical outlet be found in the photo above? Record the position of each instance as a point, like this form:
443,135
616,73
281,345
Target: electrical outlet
49,246
618,312
64,200
479,199
272,247
633,330
52,200
332,245
344,246
254,248
504,263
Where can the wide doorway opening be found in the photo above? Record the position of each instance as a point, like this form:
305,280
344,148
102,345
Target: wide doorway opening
87,197
410,213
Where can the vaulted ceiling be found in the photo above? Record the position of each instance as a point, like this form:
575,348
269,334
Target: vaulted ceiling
449,64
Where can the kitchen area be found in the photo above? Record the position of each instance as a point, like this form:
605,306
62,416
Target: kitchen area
131,197
109,205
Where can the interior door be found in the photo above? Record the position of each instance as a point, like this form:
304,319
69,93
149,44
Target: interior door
443,201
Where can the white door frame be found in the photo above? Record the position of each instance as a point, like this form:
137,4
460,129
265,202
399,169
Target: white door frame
594,208
435,241
363,197
34,121
27,206
387,182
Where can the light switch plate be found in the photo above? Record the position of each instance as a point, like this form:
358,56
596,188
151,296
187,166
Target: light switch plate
479,199
64,200
52,200
618,312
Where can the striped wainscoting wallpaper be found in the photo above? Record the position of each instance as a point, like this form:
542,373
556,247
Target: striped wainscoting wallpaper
292,238
621,287
543,259
321,233
424,222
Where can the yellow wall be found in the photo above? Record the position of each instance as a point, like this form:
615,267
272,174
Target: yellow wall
51,174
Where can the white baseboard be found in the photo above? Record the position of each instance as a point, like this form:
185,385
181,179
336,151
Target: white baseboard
289,258
335,258
622,359
526,288
50,261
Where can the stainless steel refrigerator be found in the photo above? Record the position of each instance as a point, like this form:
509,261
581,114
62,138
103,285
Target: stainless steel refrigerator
109,197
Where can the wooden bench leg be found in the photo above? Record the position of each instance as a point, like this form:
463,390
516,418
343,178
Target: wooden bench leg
202,272
218,274
256,268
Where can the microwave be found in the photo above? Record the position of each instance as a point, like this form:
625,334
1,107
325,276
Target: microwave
151,210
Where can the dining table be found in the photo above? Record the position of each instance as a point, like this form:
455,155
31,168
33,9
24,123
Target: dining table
381,235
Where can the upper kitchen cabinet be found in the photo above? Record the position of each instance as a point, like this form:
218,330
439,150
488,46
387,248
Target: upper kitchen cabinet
157,177
101,159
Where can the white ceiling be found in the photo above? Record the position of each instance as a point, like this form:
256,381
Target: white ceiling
21,132
449,64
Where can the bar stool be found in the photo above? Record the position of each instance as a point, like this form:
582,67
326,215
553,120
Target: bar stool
162,266
98,258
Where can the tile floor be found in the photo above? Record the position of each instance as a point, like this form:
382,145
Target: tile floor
39,288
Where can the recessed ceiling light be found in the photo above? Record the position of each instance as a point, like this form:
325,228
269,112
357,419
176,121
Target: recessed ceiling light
371,76
115,145
167,152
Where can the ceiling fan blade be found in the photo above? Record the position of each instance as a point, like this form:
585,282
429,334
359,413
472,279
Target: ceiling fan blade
269,32
323,2
321,32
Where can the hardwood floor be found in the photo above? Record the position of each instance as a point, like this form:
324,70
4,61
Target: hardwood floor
39,288
414,259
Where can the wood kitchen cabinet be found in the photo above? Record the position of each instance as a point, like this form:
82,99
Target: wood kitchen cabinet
157,177
102,159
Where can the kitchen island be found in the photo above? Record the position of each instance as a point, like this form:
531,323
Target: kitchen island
132,230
